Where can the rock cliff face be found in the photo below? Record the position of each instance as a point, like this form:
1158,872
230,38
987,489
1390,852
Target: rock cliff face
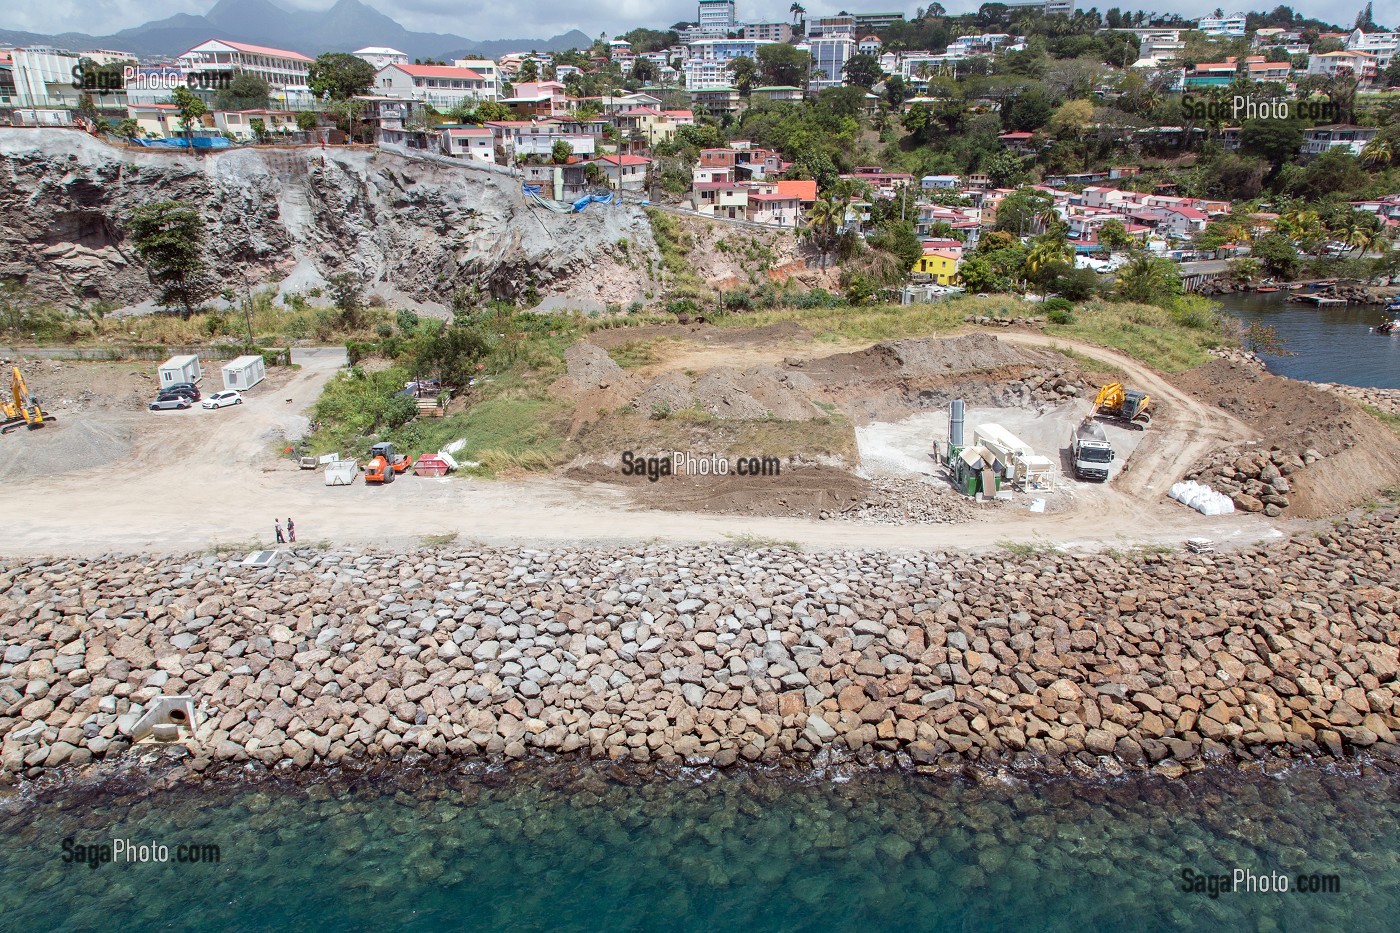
298,216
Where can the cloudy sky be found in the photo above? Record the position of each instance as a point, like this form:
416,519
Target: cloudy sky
492,19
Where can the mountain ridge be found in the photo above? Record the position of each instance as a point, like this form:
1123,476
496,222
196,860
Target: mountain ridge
344,27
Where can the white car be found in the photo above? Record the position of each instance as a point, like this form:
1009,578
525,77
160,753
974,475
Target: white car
220,399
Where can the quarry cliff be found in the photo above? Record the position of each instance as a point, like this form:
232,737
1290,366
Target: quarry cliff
296,216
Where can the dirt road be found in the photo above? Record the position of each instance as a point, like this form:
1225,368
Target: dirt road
197,479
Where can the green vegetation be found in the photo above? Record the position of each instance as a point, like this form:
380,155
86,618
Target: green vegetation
1384,417
496,364
634,354
1153,335
169,238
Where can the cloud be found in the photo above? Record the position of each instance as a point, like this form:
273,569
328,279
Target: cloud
501,19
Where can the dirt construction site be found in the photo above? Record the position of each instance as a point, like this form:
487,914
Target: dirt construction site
844,447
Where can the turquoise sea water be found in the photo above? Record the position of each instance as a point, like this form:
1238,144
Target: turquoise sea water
573,849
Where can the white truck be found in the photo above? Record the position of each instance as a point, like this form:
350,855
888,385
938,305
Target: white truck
1090,451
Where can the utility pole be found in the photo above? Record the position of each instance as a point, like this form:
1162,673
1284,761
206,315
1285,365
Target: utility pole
248,307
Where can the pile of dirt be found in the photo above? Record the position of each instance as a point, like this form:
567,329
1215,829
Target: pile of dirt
800,491
890,381
725,392
1340,455
969,353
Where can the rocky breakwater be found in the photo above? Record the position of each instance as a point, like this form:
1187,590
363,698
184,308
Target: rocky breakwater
715,655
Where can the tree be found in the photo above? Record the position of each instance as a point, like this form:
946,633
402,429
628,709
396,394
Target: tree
823,219
169,238
899,238
306,120
745,70
1390,77
452,352
644,70
895,92
529,71
863,70
1148,280
259,128
783,65
348,294
1003,168
1114,235
796,10
489,110
1276,140
1072,119
1078,284
1377,153
339,76
190,107
1050,257
244,92
1276,253
561,150
1020,212
128,129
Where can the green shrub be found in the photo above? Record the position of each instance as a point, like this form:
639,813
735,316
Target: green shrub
1060,316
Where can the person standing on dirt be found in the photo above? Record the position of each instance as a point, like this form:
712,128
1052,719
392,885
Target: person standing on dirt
277,523
291,532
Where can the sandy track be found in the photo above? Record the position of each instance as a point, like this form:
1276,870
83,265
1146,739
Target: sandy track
188,486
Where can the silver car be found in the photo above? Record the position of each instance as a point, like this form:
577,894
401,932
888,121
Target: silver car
165,404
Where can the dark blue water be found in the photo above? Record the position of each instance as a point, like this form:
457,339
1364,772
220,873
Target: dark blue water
579,851
1332,344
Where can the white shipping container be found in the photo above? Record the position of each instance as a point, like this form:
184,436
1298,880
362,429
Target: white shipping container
180,369
342,472
244,372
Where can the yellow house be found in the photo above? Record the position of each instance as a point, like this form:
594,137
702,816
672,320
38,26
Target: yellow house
940,264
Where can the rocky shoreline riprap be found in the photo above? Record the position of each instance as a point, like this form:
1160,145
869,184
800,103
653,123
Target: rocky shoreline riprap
714,655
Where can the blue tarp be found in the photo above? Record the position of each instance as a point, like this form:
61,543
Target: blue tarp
200,142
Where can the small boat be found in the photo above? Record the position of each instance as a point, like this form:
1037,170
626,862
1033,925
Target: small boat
1388,328
1393,306
1266,288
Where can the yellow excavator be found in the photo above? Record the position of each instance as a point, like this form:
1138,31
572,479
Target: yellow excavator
1117,402
21,409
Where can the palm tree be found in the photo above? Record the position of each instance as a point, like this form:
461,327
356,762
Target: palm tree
796,10
1147,279
1377,153
1049,250
824,216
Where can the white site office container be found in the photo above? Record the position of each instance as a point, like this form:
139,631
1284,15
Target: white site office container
179,369
244,372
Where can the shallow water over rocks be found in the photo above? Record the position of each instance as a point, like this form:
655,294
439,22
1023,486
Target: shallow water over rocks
568,847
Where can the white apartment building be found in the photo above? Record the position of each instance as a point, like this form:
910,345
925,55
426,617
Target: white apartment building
717,14
829,56
1381,45
381,56
44,77
1231,25
725,50
1063,7
1164,46
442,87
278,67
704,74
1360,65
490,71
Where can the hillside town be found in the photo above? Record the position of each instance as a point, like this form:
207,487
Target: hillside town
1186,140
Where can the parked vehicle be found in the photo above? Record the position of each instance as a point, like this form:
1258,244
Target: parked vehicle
167,403
187,389
223,399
